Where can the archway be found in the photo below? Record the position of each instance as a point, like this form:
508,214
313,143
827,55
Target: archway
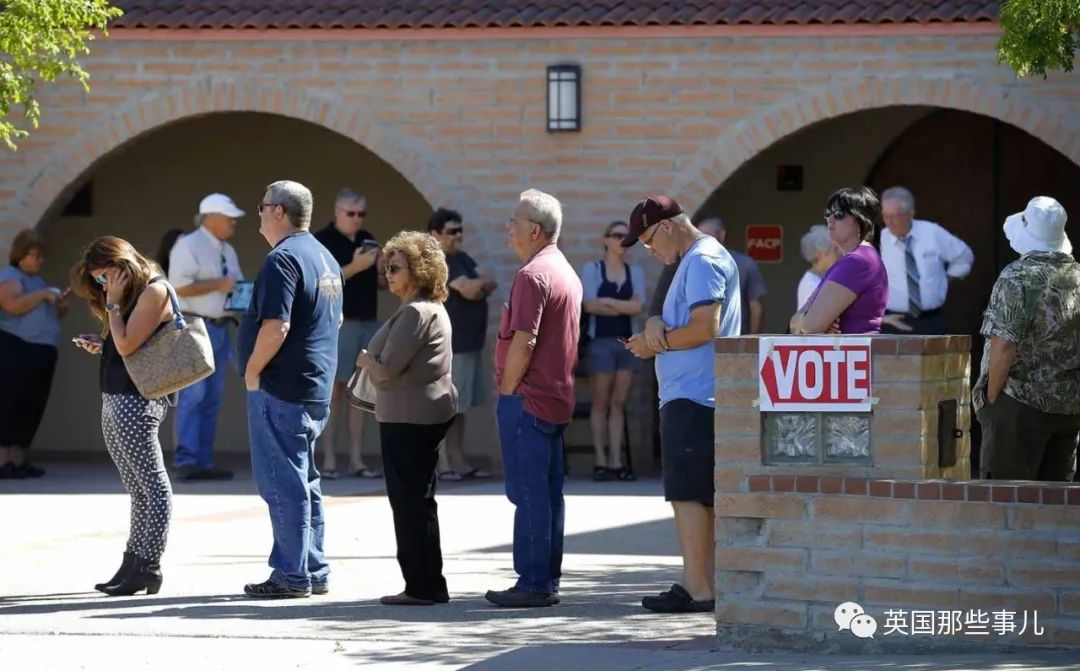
154,182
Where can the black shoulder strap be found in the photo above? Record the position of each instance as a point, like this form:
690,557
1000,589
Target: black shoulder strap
603,272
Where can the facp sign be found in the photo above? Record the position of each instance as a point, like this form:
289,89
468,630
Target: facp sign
815,374
765,243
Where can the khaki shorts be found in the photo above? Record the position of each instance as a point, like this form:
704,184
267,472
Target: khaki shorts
467,373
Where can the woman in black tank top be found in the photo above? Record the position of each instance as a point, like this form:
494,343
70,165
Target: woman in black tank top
126,292
614,294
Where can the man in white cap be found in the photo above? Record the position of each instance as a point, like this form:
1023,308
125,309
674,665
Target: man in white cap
204,269
1027,397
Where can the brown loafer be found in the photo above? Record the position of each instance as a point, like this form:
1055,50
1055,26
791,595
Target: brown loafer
404,599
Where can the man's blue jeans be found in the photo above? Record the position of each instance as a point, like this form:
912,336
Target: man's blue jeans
198,406
283,461
532,452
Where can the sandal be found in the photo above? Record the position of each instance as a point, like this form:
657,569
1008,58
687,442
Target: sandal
366,472
450,476
330,475
625,474
476,474
677,600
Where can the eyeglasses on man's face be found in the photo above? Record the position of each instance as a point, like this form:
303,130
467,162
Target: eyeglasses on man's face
647,244
261,206
360,214
453,230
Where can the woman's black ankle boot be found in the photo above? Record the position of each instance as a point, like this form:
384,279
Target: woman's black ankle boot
144,574
125,566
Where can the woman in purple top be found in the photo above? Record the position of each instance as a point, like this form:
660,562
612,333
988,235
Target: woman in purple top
851,297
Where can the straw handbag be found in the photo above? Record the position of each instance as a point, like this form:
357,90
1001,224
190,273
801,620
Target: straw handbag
177,355
362,391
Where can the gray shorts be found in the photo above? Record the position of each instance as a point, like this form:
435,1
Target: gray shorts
353,336
608,355
467,373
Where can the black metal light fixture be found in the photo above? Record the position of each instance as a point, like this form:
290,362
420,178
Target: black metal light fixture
563,98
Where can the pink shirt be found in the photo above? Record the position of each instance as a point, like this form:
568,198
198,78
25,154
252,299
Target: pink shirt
545,300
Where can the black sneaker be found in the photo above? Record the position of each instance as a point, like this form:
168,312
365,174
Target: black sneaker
677,600
31,471
519,598
194,473
272,590
10,471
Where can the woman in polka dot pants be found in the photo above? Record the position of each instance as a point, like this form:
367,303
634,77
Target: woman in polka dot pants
125,291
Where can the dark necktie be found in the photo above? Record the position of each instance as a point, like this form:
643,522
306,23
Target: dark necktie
913,292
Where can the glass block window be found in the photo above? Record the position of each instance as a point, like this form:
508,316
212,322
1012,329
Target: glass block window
815,437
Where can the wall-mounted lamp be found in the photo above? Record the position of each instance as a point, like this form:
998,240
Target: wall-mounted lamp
563,98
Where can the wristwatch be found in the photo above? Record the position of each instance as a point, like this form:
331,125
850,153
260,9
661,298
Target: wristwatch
112,307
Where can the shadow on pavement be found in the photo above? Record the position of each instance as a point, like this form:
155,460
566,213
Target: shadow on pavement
655,539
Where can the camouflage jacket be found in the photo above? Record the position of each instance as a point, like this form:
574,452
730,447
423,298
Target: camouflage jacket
1036,304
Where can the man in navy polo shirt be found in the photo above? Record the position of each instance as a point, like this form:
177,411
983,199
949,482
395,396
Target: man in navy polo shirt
288,352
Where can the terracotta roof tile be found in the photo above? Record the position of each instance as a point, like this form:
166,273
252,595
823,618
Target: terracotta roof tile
397,14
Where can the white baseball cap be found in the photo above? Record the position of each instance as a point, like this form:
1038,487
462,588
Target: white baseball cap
1039,228
219,203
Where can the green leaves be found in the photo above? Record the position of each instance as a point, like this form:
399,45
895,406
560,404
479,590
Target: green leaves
1039,35
40,41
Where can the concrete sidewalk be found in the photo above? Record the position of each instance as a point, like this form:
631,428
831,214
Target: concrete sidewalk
66,532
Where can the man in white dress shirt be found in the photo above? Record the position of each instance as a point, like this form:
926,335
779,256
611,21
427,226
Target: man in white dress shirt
204,269
921,259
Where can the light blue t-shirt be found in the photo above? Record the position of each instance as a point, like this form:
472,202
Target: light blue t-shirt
41,325
707,274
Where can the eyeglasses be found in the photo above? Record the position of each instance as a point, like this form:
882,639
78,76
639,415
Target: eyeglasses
618,236
836,215
457,230
263,205
647,244
391,269
355,213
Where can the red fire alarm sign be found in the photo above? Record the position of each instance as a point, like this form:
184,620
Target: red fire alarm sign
765,244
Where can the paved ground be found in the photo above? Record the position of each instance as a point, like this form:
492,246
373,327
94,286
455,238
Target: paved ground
66,532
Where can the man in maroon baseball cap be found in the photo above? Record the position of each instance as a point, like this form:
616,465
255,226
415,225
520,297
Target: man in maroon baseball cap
651,210
702,304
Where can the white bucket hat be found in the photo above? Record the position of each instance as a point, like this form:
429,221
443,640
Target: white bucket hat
1039,228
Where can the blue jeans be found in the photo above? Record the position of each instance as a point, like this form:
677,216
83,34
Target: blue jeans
532,452
283,463
197,409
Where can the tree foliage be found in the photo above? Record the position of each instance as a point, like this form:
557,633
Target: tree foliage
1039,35
40,41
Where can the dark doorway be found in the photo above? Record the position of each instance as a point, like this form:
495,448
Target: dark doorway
968,172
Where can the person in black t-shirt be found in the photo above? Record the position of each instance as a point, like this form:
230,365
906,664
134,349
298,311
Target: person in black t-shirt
468,310
357,252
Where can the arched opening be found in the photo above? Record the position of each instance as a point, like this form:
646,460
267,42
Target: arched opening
154,182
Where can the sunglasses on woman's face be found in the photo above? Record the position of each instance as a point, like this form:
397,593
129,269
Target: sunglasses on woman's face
391,269
101,279
617,236
836,215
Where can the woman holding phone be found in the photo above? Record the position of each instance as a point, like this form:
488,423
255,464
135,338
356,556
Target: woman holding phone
128,294
30,312
614,293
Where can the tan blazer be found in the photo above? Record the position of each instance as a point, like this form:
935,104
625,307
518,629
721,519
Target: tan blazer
412,374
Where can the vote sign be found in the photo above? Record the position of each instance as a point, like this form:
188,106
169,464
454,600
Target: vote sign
814,374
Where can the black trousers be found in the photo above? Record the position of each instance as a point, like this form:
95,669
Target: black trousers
26,375
928,323
1020,442
410,455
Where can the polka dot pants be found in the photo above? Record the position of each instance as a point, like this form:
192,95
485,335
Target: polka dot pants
130,426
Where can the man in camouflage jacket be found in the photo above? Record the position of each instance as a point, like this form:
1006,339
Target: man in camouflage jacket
1027,397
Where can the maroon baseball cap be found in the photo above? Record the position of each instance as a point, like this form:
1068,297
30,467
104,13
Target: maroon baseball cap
646,213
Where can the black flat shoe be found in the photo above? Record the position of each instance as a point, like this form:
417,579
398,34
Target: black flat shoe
602,474
29,470
677,600
272,590
10,471
624,474
519,598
